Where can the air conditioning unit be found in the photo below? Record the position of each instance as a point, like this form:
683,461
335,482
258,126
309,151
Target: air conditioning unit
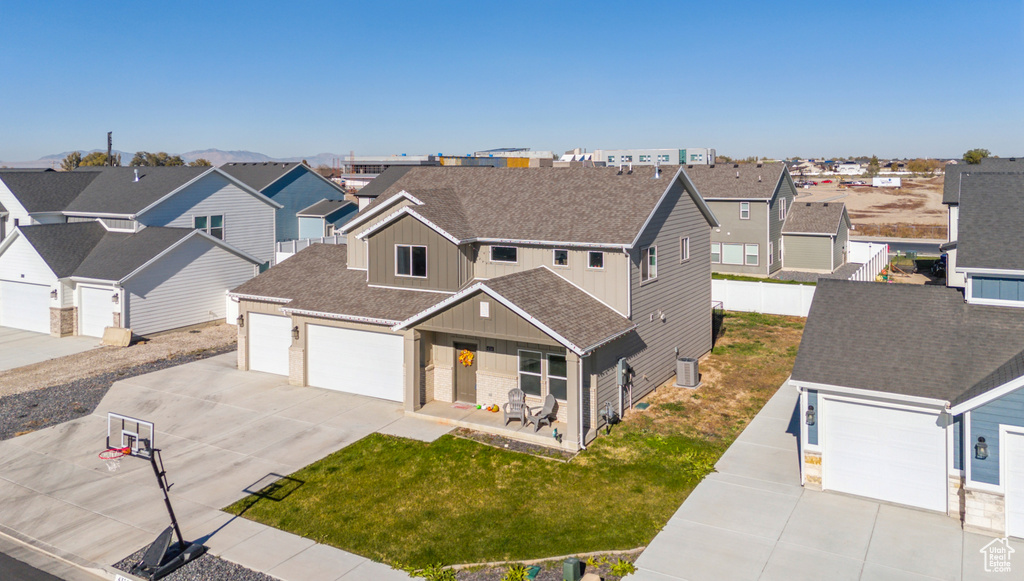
687,373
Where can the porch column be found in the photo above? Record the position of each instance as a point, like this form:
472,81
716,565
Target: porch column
572,397
412,371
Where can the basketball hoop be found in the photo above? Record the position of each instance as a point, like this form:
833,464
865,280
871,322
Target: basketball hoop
112,457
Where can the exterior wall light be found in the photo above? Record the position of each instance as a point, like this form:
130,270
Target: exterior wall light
809,416
53,294
981,449
295,333
241,321
114,298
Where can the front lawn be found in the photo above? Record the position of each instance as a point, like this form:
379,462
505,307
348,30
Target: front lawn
454,501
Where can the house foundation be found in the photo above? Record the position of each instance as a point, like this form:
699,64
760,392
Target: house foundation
63,321
983,511
812,470
297,366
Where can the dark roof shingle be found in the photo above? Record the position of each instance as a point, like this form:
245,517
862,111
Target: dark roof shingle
815,218
115,191
258,175
951,181
324,208
991,223
755,181
48,191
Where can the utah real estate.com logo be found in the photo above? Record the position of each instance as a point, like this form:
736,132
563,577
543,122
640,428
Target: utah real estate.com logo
997,556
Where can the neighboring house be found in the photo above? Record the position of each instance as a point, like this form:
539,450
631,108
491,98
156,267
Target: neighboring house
79,278
688,156
751,202
293,185
849,168
541,278
380,184
952,193
815,237
324,218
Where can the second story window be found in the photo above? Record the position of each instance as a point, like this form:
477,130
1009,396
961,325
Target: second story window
411,260
504,254
782,209
684,249
212,225
649,263
595,259
561,258
744,210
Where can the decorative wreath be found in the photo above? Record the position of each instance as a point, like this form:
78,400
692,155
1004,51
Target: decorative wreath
466,357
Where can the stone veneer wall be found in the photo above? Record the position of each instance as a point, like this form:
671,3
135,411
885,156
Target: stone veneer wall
985,511
242,351
955,490
812,470
426,384
296,366
63,321
117,321
443,383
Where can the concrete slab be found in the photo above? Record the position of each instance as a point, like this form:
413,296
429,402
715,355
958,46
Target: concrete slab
697,552
257,434
229,533
736,508
415,428
317,562
267,549
371,571
774,432
876,572
19,348
974,560
759,462
916,541
835,524
323,406
303,448
797,563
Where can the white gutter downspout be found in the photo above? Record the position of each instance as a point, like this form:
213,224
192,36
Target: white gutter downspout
579,361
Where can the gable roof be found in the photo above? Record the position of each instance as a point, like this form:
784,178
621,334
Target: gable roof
324,208
739,181
49,191
816,218
588,206
947,351
63,247
317,280
953,172
991,223
554,305
259,175
383,181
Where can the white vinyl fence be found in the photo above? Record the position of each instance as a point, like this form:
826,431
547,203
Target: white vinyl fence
872,256
289,247
763,297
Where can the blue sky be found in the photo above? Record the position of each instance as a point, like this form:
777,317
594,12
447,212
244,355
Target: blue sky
778,79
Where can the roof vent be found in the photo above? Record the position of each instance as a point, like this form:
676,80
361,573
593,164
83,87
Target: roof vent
735,165
737,175
620,170
825,204
760,165
808,204
758,178
691,166
136,175
712,166
630,169
657,171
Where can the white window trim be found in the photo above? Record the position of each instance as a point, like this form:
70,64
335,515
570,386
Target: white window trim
970,298
485,309
719,245
520,372
742,204
546,382
645,257
491,255
426,259
743,255
209,224
782,208
684,249
553,262
757,255
771,253
589,252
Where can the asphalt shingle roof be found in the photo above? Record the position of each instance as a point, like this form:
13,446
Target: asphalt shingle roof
736,180
907,339
324,208
64,246
991,226
258,175
115,191
815,218
951,181
593,205
48,191
383,181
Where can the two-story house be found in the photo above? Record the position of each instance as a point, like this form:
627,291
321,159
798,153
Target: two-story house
928,412
460,284
151,248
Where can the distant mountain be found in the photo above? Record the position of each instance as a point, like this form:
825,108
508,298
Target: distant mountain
214,156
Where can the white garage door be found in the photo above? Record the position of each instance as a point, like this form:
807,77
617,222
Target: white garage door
893,455
95,311
354,361
1013,456
270,336
25,306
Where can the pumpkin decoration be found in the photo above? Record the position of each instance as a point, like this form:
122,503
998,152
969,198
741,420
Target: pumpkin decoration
466,357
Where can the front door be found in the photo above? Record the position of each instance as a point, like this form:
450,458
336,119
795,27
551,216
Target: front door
465,375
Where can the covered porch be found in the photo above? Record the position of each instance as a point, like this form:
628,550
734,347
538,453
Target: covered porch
466,416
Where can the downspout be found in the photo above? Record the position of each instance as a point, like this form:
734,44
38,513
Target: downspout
579,365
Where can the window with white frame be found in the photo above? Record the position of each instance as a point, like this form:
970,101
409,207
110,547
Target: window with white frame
595,259
644,158
716,253
663,157
504,254
649,263
411,260
771,254
744,210
684,249
529,372
782,209
732,253
557,376
751,254
560,258
212,225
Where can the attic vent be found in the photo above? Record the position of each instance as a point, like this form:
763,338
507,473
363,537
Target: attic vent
712,166
760,165
136,175
825,204
808,204
691,167
735,165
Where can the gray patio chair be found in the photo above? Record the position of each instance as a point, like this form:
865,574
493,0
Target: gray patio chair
515,408
546,415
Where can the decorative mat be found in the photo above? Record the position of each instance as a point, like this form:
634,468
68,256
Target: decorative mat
463,406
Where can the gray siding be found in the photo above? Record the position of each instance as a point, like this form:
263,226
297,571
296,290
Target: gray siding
734,230
682,292
442,256
841,246
985,421
785,191
812,431
464,318
808,252
357,247
248,221
108,222
185,287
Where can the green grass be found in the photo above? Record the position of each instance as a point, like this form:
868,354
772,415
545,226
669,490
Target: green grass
723,276
454,501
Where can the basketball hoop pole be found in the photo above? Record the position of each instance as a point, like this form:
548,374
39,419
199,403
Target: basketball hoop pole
161,478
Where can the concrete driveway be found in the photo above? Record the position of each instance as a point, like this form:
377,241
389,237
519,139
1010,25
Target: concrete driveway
222,431
751,519
19,348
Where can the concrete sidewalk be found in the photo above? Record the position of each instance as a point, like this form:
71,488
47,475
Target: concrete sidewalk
19,348
751,519
222,432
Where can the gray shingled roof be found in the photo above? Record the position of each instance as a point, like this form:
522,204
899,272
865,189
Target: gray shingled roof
561,306
324,208
591,205
951,181
991,227
64,246
383,181
816,218
258,175
115,191
317,279
49,191
756,181
906,339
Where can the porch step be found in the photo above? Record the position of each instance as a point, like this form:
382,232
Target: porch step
541,438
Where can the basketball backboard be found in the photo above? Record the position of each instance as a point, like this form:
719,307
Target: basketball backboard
134,434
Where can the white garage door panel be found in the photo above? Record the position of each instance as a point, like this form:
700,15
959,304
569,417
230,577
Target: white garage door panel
1012,450
269,339
95,310
893,455
360,362
25,306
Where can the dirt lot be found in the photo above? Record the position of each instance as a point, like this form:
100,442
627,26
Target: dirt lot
919,201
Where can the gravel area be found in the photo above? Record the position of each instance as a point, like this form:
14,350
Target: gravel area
844,272
205,568
552,570
67,369
29,411
514,445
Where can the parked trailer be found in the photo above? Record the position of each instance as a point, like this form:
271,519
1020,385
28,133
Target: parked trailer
886,182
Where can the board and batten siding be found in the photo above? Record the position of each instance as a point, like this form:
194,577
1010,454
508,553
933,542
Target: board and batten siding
21,263
841,245
464,318
785,191
734,230
808,252
297,191
682,292
248,221
504,359
608,284
357,249
985,421
184,287
442,256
